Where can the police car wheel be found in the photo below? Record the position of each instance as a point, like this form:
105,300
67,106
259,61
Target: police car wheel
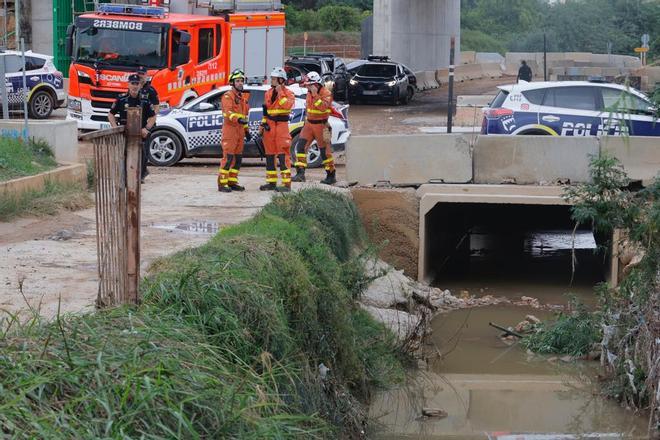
165,148
41,105
313,153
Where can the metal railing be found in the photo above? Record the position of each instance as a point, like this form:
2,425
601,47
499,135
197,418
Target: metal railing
340,50
117,156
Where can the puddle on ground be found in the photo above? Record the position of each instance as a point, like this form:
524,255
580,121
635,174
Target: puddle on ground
491,390
201,227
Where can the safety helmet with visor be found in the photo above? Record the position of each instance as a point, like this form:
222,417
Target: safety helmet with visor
236,74
314,78
278,72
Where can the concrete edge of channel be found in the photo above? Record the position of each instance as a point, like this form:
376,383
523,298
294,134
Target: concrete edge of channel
65,173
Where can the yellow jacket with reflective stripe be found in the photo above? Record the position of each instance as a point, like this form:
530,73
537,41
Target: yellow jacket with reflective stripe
320,105
281,104
234,107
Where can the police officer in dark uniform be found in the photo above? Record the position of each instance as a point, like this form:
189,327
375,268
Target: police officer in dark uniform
524,73
146,89
117,114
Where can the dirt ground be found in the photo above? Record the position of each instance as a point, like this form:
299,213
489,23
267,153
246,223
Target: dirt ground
53,259
391,219
427,111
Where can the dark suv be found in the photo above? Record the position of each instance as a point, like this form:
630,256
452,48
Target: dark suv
380,79
331,68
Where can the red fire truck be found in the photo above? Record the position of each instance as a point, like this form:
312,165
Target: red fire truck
186,55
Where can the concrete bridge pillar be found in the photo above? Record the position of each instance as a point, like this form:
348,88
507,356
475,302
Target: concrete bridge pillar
416,32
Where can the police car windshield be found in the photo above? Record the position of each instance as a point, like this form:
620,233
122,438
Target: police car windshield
127,44
377,70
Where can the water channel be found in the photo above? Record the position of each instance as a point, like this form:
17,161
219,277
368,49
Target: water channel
491,388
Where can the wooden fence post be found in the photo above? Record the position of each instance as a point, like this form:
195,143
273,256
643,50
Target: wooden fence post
133,170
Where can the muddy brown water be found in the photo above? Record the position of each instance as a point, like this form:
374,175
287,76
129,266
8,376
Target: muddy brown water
493,390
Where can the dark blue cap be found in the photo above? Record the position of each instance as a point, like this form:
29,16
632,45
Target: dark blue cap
142,70
133,77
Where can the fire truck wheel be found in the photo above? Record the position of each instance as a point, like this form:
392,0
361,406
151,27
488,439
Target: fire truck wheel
313,153
41,105
165,148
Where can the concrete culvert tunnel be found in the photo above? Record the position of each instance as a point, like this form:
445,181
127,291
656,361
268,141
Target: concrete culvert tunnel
516,243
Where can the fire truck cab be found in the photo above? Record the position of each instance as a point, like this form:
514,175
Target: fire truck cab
185,55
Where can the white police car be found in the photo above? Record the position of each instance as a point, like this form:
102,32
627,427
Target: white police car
570,108
45,84
195,129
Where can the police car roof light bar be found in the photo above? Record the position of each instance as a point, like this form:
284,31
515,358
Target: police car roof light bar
378,58
141,11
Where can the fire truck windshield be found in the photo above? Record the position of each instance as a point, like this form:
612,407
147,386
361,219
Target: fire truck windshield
119,45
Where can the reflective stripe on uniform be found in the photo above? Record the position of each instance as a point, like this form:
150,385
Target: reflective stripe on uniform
278,111
282,101
318,102
318,112
234,115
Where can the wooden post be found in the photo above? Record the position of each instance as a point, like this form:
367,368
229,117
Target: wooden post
133,168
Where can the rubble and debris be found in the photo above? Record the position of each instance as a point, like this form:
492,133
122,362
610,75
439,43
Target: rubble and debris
434,412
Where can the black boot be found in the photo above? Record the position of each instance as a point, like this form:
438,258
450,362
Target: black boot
268,187
237,187
330,178
224,188
283,189
300,175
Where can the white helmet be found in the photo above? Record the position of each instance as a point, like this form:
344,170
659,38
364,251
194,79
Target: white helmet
278,72
314,78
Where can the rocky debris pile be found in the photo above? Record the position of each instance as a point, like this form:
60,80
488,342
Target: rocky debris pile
524,327
399,302
407,306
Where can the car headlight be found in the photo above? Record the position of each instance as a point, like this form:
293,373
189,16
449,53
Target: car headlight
353,82
75,105
391,83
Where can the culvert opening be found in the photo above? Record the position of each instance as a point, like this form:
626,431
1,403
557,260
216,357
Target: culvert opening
512,250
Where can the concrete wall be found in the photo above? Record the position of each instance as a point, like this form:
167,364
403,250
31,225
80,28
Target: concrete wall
62,136
532,159
42,27
409,160
426,80
71,173
367,37
639,155
492,159
416,33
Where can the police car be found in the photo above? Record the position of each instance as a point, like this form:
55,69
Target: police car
195,129
570,108
45,85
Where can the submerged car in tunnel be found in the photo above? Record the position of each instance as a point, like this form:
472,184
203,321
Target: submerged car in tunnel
570,108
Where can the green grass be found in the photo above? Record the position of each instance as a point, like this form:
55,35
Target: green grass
226,343
19,159
54,197
573,333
